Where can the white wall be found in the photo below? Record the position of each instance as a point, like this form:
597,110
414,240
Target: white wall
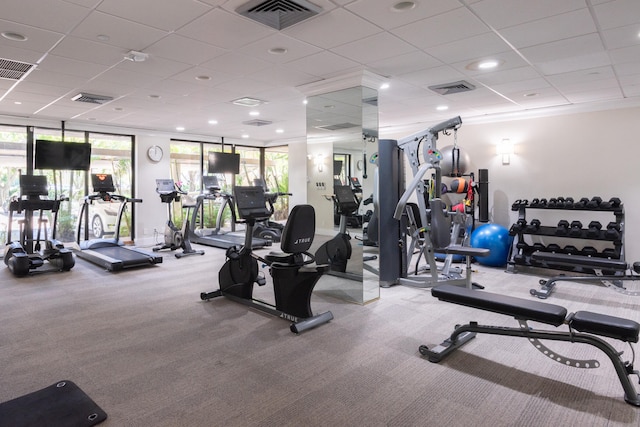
578,155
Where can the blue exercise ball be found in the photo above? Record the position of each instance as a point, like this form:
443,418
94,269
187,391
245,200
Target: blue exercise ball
495,238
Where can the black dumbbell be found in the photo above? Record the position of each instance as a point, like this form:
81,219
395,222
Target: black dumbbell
517,227
533,226
594,203
535,203
594,229
575,229
552,247
568,203
589,251
563,228
542,203
613,231
610,253
581,204
570,249
615,202
516,205
553,202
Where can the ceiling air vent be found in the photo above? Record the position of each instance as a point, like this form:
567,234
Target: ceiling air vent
455,87
257,122
248,102
337,126
278,14
14,70
92,99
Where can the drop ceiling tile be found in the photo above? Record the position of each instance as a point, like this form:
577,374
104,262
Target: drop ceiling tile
182,49
506,13
53,78
345,27
191,76
468,49
567,25
51,90
622,37
627,68
324,64
374,48
165,15
282,76
236,64
521,87
382,13
38,40
575,63
563,49
295,49
509,75
450,26
594,95
89,51
617,13
403,64
125,34
153,66
582,76
625,54
126,77
59,64
53,15
21,55
225,30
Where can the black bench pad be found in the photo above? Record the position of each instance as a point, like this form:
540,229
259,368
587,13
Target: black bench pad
519,308
580,260
607,326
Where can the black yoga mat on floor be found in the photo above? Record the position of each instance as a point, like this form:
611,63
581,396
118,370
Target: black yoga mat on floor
62,404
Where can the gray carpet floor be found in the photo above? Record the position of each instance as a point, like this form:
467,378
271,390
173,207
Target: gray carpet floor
144,346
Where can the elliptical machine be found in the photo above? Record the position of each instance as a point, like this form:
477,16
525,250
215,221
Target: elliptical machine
293,277
22,256
175,238
337,251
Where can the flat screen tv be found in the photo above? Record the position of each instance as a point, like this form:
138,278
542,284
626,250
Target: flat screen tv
62,155
224,163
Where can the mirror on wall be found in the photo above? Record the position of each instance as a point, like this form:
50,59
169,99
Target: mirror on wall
342,129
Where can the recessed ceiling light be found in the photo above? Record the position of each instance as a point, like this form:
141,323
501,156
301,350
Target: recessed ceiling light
15,37
203,78
179,128
305,102
442,107
254,113
245,136
384,86
213,122
484,64
403,6
278,50
18,103
279,130
103,37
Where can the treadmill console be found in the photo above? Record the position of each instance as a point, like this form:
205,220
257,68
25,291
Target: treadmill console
33,185
102,183
211,183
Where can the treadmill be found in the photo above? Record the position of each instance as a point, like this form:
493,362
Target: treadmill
217,238
110,253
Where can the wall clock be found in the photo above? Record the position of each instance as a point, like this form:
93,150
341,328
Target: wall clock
155,153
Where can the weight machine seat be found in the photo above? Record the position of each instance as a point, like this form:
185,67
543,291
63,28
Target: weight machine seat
583,321
440,234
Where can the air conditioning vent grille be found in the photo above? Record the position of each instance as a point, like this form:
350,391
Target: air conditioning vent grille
257,122
337,126
278,14
14,70
91,98
455,87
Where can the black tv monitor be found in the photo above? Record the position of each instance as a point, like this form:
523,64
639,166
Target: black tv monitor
59,155
224,163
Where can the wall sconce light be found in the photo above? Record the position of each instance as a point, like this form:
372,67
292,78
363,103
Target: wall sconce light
318,161
505,149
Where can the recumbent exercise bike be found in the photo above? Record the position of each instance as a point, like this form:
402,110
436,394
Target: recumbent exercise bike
293,276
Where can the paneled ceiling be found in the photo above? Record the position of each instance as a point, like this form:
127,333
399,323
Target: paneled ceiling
200,55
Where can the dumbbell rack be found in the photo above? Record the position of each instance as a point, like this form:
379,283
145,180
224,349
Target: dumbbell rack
522,231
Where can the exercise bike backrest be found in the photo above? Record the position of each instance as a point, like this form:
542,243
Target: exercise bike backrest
298,233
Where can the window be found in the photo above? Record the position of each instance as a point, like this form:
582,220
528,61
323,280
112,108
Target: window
13,163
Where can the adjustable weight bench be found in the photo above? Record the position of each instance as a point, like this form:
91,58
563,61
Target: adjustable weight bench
590,328
616,272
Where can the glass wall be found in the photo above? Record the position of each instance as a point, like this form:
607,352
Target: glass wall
13,162
276,175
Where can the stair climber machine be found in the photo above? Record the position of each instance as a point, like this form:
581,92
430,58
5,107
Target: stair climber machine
293,275
337,251
175,238
109,253
216,237
26,254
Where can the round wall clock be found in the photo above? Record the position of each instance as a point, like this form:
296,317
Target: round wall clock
155,153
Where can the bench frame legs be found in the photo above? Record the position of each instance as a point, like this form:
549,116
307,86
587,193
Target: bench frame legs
464,333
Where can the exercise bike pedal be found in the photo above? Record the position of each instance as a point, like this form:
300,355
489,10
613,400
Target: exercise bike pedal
261,281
